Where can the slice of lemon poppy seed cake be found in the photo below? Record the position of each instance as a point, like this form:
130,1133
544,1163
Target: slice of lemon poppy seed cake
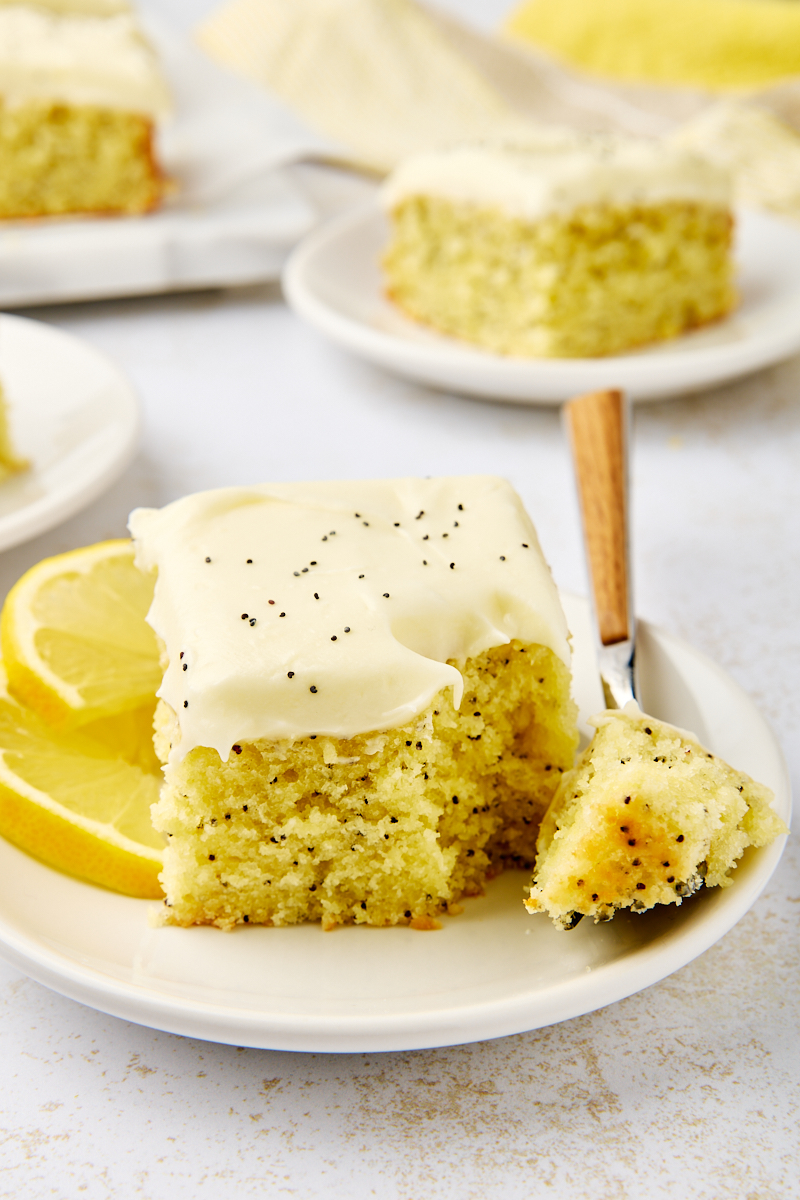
566,246
366,703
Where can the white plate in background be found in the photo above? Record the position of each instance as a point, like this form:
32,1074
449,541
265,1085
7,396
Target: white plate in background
333,281
490,972
72,414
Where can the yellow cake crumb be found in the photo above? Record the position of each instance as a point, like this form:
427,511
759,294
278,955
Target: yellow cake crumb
646,817
379,829
59,158
593,281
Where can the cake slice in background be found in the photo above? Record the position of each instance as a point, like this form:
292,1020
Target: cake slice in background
80,92
365,710
566,246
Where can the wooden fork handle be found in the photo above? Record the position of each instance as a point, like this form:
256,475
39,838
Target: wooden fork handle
597,425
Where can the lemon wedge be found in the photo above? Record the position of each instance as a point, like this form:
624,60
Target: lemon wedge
129,735
74,640
70,802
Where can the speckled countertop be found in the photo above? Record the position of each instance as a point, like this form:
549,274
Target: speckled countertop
691,1087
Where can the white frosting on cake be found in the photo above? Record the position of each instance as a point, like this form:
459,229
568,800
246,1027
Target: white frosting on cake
356,597
68,56
97,8
559,173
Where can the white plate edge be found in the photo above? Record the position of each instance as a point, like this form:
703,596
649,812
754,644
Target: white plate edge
54,508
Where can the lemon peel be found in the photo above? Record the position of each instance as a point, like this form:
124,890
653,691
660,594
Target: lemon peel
74,640
70,802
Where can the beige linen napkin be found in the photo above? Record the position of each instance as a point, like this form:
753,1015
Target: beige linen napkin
374,76
382,79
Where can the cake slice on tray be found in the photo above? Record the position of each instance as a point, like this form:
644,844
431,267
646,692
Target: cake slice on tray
564,246
81,90
366,703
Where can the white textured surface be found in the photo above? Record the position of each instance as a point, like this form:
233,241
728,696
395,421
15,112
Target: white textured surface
690,1088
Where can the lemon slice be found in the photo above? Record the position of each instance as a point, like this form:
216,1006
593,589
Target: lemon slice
129,735
74,640
70,802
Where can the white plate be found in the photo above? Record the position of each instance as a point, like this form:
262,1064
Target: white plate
333,280
495,970
72,414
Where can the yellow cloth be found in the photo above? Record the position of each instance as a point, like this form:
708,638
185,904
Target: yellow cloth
722,45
